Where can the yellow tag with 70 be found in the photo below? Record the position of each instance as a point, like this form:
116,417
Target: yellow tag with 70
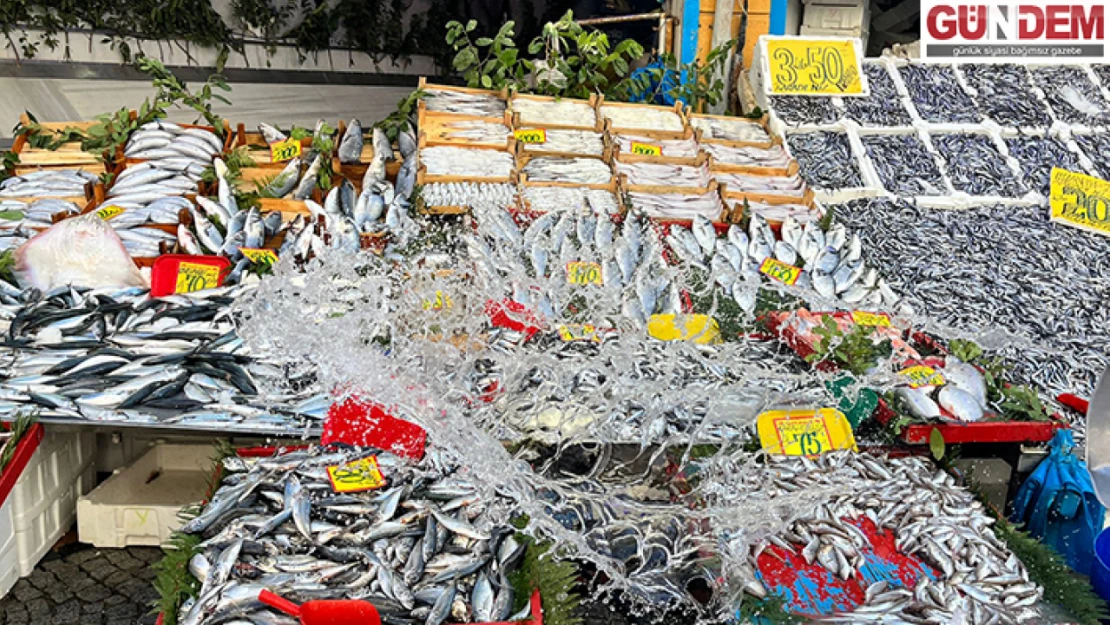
923,376
804,432
355,476
778,270
531,135
579,272
259,255
864,318
285,150
109,212
196,277
1079,200
441,301
803,66
647,149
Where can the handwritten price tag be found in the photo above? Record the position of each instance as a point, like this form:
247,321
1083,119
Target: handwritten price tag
814,67
285,150
356,476
260,256
532,135
584,273
804,432
1080,201
778,270
109,212
579,332
195,277
440,302
647,149
864,318
923,376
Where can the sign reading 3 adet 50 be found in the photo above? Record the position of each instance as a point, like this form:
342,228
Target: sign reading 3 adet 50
1000,31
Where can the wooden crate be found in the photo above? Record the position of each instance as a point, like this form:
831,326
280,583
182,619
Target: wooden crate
701,160
736,214
613,186
763,122
593,102
678,109
789,170
434,131
722,218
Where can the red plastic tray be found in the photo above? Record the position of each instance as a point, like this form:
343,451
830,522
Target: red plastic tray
991,432
23,452
163,275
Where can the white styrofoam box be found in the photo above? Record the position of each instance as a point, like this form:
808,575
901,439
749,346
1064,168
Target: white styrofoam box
41,506
139,504
825,17
862,32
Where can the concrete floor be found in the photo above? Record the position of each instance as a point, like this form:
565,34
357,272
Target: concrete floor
59,100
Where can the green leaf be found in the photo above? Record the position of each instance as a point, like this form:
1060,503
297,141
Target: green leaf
464,59
486,82
483,41
471,25
936,443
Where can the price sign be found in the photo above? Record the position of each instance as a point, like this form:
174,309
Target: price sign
356,476
584,273
864,318
647,149
285,150
923,376
802,66
532,135
109,212
260,256
1080,201
440,302
196,277
579,332
804,432
778,270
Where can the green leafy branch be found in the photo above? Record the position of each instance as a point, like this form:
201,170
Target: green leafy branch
171,90
855,351
487,62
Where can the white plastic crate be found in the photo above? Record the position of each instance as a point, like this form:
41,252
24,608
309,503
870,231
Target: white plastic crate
41,506
139,505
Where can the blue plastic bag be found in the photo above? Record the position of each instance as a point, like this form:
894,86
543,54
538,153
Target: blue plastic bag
1057,504
656,93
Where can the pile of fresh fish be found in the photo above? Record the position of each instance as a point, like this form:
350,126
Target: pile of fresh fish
236,228
52,183
107,355
423,549
905,166
559,169
168,145
467,162
664,174
883,106
1097,148
625,118
937,94
1005,94
681,148
979,278
678,205
720,129
792,186
1072,96
825,159
501,195
978,580
962,397
461,103
570,199
476,130
797,110
975,165
586,142
562,112
35,214
774,156
350,145
1037,155
378,209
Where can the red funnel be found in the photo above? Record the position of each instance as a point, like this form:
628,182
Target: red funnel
339,612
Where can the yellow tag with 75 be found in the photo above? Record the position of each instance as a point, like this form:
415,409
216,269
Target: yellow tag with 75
355,476
285,150
108,212
531,135
1080,201
805,432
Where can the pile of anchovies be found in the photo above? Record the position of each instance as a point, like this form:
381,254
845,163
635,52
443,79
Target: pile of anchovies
793,186
772,157
558,169
937,95
624,118
975,165
1005,94
825,159
1097,148
422,549
797,110
664,174
110,355
681,148
467,162
716,128
969,271
563,112
905,165
1074,99
883,107
1038,155
462,103
931,517
438,194
585,142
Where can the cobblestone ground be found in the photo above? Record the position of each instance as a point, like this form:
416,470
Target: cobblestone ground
87,586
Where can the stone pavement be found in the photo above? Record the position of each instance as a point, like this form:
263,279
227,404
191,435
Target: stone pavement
85,585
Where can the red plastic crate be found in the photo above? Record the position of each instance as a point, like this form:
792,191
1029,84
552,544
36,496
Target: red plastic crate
978,432
23,452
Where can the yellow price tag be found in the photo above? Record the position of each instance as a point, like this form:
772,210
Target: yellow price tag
923,376
805,432
109,212
1079,200
701,329
531,135
864,318
579,332
778,270
259,255
196,277
357,475
440,302
814,67
647,149
579,272
285,150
